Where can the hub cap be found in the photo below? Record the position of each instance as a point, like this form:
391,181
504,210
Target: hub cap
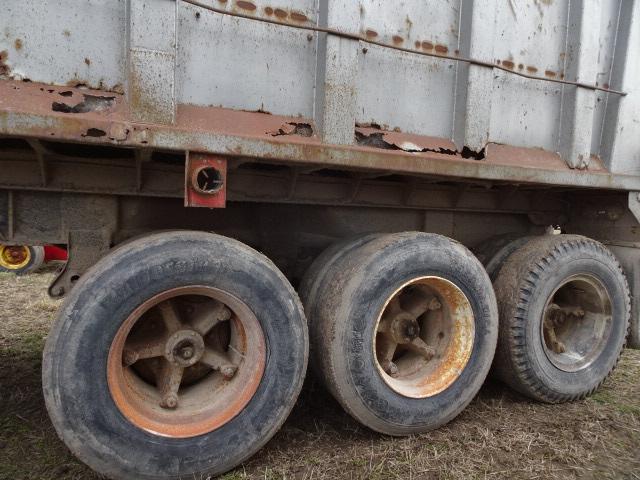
186,361
576,323
424,337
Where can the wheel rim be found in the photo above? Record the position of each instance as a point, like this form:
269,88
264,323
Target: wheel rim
576,323
186,361
424,337
14,257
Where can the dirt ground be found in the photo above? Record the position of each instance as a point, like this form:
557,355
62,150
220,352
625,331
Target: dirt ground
500,435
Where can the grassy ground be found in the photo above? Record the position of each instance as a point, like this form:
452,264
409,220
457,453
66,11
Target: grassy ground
500,435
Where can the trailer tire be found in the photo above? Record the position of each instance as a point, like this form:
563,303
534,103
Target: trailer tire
314,283
81,389
495,251
564,315
31,259
360,288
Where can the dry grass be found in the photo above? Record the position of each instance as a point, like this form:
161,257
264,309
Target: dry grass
500,435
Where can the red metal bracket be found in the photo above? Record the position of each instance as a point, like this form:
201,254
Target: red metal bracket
205,181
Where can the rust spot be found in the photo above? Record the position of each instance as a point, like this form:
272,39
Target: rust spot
371,34
90,103
66,33
531,69
18,44
298,17
550,73
498,62
417,44
94,132
427,45
87,61
280,13
243,4
442,49
293,128
456,51
373,136
268,10
606,85
397,39
508,64
66,93
4,68
562,76
520,66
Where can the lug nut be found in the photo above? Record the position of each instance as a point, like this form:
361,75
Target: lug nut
228,371
170,401
225,314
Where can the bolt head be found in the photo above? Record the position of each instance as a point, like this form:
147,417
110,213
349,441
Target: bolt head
435,304
187,352
228,371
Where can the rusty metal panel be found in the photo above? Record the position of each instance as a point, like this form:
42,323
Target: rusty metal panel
65,42
169,62
245,65
401,90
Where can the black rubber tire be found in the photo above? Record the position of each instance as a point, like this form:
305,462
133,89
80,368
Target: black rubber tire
495,251
74,364
314,283
344,322
313,279
523,286
35,262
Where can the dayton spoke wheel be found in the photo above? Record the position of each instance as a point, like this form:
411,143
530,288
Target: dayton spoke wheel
424,337
186,361
577,322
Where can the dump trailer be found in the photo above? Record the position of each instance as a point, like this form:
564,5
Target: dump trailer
399,193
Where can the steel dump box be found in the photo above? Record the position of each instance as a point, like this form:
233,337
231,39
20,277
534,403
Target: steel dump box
536,91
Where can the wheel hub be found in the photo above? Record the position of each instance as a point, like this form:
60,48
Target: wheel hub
184,348
404,328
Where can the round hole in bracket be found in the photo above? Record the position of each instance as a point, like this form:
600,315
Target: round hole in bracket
207,180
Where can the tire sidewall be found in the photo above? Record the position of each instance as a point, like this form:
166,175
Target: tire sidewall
74,368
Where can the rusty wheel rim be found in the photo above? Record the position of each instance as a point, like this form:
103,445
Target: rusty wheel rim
186,361
576,323
424,337
14,257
